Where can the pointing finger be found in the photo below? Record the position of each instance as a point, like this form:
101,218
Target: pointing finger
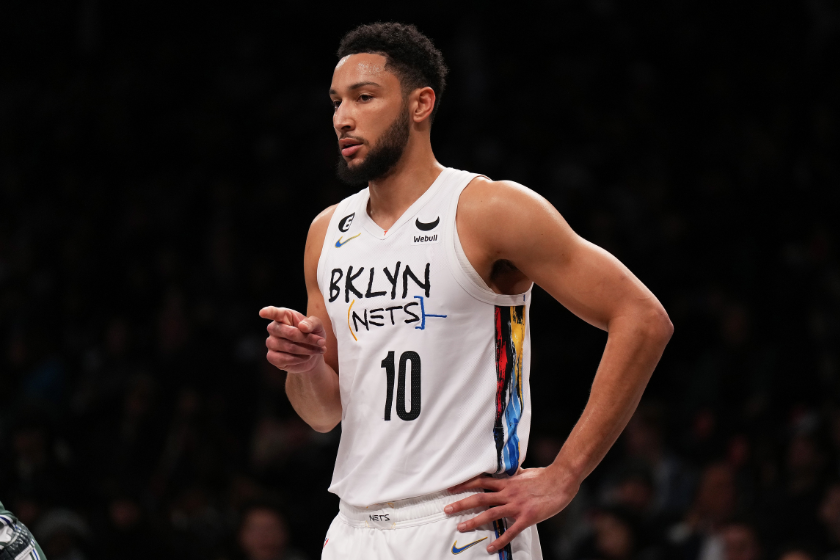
281,315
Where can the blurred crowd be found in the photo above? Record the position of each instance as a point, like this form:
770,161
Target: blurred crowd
158,173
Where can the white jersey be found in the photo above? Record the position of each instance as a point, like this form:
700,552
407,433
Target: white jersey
433,365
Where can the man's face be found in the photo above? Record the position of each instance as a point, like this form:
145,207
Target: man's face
263,535
740,543
370,119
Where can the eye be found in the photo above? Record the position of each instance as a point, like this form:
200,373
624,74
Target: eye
365,97
335,104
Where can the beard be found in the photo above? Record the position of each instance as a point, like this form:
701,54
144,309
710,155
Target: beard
382,158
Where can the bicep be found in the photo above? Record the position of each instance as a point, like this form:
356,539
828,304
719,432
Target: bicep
586,279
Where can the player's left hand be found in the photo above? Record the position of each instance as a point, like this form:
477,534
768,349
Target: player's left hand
528,497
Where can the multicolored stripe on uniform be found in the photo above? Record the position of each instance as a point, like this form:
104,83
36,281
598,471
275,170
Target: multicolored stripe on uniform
499,528
510,339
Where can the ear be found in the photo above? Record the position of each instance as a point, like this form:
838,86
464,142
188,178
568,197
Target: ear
422,104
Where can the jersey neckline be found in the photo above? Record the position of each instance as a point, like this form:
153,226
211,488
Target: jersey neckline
373,228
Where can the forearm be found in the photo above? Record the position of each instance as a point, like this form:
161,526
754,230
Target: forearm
315,396
634,347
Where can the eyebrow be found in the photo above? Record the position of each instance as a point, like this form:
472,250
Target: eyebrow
357,86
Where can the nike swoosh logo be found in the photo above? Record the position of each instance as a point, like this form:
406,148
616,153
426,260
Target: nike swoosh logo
339,243
426,227
456,550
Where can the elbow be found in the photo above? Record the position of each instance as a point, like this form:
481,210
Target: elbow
323,427
659,325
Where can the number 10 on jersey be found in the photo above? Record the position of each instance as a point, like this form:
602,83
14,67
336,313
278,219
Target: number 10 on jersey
390,374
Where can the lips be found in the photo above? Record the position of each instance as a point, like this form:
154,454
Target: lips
350,150
349,146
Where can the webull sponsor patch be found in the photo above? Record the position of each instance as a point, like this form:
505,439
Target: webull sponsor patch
424,238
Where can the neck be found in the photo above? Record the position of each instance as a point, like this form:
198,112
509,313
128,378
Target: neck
391,196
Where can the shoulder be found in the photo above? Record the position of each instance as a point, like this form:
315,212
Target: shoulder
319,226
322,220
509,221
483,195
487,205
317,234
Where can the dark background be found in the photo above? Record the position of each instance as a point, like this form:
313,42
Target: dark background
160,164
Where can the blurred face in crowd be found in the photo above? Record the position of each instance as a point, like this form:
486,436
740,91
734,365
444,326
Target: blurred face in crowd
371,118
124,513
803,457
613,537
716,495
263,535
829,512
796,555
740,543
635,493
30,445
642,439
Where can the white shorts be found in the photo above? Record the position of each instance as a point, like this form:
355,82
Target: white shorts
417,529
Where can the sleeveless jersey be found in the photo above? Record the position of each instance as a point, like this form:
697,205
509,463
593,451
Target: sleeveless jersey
433,365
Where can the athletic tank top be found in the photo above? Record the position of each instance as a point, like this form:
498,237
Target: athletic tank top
433,365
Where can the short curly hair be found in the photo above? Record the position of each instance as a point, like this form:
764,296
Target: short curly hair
410,55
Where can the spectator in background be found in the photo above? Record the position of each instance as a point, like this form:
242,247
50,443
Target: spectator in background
802,552
39,460
792,510
740,541
196,526
829,517
129,446
698,535
263,534
128,533
64,535
645,448
615,536
635,492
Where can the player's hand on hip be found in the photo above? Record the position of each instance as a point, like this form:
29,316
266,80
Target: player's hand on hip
528,497
296,343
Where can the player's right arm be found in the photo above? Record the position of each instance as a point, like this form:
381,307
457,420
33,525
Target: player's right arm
305,346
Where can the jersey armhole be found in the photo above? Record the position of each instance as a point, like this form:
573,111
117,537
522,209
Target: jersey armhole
461,268
328,242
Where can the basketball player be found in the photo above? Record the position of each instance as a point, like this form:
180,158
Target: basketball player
16,542
416,334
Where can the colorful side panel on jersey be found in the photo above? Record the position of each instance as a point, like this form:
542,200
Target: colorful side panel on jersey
510,338
499,528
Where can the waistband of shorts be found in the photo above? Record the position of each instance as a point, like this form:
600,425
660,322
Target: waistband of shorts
401,513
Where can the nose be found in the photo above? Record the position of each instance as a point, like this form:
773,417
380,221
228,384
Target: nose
342,119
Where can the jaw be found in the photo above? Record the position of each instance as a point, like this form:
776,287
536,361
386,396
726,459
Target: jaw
354,161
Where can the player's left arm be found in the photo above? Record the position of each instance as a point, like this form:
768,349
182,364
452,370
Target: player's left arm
505,221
